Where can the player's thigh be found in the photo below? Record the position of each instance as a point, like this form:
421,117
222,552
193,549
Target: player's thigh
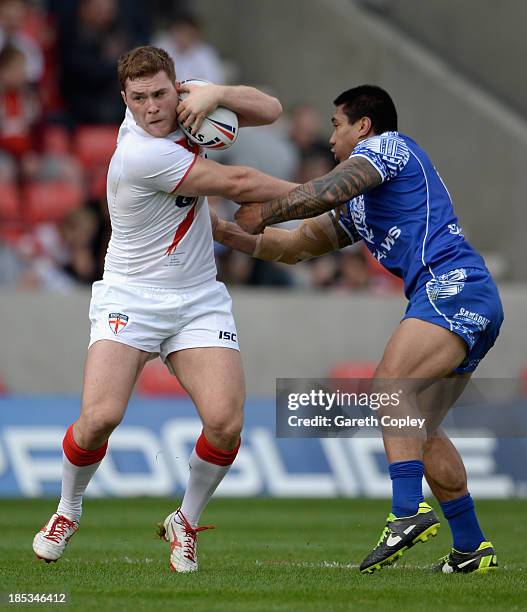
421,350
213,377
110,374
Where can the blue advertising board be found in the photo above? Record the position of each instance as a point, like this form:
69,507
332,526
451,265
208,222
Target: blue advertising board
148,455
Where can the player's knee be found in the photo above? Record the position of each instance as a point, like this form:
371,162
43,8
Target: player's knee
97,426
230,425
224,431
392,376
386,379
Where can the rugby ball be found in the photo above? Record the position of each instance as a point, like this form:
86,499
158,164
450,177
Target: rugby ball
219,128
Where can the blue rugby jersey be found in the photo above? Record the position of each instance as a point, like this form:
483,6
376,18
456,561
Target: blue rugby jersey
407,222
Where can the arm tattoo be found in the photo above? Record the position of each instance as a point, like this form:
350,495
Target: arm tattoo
349,179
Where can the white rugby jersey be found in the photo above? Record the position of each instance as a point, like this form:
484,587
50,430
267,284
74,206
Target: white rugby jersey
159,239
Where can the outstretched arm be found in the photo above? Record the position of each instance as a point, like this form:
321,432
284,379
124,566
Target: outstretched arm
312,238
236,183
252,106
349,179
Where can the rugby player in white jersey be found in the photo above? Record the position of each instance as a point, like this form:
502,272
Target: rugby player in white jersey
159,294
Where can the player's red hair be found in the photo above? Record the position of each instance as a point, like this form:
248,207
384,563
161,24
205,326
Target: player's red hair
144,62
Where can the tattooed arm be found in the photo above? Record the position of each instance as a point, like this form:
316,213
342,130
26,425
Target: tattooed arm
312,238
349,179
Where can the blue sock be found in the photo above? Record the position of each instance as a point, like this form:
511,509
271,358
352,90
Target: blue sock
463,523
407,487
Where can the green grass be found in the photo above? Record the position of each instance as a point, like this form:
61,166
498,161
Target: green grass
265,554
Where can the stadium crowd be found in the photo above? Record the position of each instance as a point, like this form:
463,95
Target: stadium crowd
60,110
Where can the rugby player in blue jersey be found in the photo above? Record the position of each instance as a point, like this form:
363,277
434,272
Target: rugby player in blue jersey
386,192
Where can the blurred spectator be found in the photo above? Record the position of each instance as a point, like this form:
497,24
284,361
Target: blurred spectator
353,272
164,12
194,58
305,130
55,163
89,48
316,162
61,257
19,109
136,15
323,271
13,16
265,148
99,209
235,268
8,168
78,231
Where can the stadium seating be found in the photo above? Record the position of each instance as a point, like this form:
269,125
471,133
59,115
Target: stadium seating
9,203
94,145
352,376
97,183
353,369
56,139
49,201
155,380
11,223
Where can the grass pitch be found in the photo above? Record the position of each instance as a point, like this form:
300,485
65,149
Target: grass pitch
265,554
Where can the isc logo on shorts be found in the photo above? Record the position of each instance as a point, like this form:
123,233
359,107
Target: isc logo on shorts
225,335
117,321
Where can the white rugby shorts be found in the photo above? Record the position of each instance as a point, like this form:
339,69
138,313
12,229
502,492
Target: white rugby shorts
162,321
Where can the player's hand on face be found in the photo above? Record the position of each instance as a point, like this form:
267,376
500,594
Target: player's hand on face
201,100
249,218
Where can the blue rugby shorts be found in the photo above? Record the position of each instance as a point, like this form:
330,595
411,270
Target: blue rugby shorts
465,301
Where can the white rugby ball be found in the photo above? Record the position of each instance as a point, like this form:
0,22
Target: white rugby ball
219,128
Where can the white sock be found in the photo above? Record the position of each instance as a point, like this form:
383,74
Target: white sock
203,480
75,479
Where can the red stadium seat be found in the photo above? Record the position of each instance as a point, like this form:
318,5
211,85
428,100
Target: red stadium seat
353,369
94,145
11,222
155,380
56,139
9,203
50,201
97,183
352,375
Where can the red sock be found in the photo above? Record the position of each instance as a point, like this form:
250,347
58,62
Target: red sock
79,456
206,451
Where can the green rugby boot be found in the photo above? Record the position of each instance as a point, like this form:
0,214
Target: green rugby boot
399,535
480,561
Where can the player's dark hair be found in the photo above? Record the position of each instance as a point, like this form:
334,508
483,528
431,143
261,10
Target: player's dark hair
144,62
369,101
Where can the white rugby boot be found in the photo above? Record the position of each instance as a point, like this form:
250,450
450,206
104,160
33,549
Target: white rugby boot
51,540
183,541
